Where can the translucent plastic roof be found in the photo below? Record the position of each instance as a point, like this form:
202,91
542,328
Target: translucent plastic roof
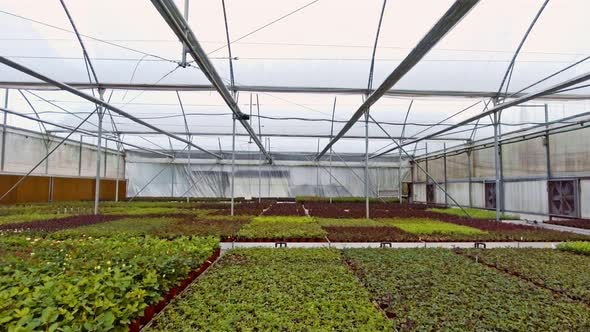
296,44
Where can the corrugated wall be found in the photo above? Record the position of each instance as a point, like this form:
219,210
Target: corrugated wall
41,189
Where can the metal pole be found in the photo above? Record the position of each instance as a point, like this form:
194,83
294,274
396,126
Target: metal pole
3,152
367,164
497,166
317,174
233,162
469,175
331,150
184,49
445,172
80,155
117,176
190,171
100,114
259,153
547,147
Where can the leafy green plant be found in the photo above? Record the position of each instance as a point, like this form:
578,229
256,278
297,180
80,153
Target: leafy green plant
89,284
429,226
282,228
560,271
123,227
578,247
475,213
27,217
274,290
437,290
349,222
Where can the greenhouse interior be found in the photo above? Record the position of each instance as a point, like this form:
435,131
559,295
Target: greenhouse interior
310,165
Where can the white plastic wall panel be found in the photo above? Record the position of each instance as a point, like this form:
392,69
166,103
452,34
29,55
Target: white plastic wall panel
478,194
64,161
25,149
439,195
276,180
528,196
460,192
585,198
23,152
419,192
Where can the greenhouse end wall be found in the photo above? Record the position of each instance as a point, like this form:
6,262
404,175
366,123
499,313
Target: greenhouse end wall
208,178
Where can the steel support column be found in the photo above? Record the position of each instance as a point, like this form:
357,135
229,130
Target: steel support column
233,163
546,143
5,118
470,175
100,114
497,167
367,215
445,172
117,177
331,150
80,155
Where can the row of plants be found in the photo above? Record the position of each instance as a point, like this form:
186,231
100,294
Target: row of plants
90,284
562,272
274,290
56,224
578,247
130,226
282,228
578,223
474,213
345,199
437,290
285,209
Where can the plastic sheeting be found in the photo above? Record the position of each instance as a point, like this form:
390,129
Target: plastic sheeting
24,149
214,180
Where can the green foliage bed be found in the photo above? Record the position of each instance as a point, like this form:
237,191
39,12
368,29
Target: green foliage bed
282,228
350,222
123,228
438,290
275,290
85,284
423,226
474,213
563,272
578,247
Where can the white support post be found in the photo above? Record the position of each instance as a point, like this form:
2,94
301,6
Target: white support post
117,176
497,166
233,162
399,174
190,171
5,118
445,173
367,215
317,174
100,114
80,155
